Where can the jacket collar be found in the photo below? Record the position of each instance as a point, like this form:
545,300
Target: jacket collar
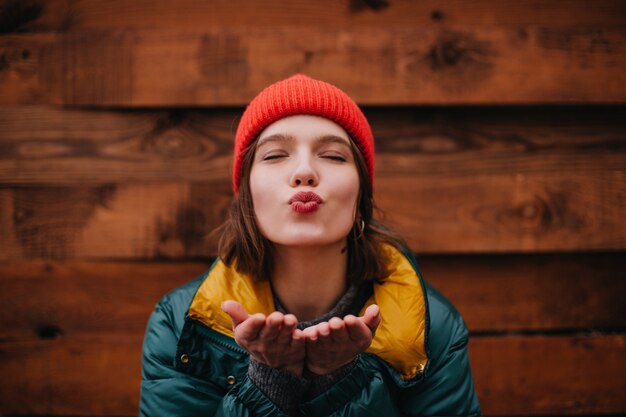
401,336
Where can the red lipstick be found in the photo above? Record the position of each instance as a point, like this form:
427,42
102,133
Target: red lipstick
305,202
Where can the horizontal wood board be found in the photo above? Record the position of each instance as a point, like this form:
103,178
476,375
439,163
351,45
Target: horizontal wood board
497,294
517,375
228,66
70,15
146,184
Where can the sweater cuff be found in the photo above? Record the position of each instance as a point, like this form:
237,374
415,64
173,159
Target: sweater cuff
321,383
283,388
356,383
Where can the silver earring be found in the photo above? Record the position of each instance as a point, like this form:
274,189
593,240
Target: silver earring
362,230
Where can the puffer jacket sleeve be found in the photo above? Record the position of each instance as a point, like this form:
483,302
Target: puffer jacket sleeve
168,392
448,388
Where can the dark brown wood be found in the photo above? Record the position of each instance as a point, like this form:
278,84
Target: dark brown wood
502,294
520,375
472,180
170,220
550,375
495,294
52,145
198,14
98,376
50,300
374,65
45,145
501,213
523,212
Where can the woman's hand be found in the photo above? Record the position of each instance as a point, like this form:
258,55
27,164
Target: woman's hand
333,344
272,340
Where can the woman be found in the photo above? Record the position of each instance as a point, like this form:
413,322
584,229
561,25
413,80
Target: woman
313,307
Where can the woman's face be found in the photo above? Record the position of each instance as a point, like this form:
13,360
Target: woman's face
304,182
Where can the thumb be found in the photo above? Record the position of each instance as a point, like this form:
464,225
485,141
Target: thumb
371,318
236,312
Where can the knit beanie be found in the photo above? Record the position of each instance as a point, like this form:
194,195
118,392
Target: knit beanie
300,94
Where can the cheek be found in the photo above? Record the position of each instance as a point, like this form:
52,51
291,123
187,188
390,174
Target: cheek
263,199
348,191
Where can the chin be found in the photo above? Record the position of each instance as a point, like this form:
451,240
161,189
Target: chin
308,240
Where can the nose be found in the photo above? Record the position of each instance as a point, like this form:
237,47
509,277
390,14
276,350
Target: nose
304,174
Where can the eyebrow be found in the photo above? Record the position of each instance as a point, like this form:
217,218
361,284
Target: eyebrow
279,137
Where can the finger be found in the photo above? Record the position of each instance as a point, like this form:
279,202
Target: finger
338,331
289,325
371,318
357,330
323,331
310,334
297,339
236,312
273,325
248,330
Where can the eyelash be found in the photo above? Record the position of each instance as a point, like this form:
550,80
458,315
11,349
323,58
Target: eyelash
270,157
335,158
331,157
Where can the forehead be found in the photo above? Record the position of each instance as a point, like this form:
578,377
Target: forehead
304,127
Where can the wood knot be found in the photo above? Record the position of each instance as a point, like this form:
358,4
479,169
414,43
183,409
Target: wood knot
436,15
530,216
447,52
529,210
48,332
21,215
458,61
377,4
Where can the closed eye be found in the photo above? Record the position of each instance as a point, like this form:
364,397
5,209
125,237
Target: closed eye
275,156
335,157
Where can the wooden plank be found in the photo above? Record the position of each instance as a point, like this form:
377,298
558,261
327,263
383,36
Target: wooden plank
502,213
519,375
98,376
196,14
375,66
46,145
498,213
495,294
49,300
110,221
532,293
550,375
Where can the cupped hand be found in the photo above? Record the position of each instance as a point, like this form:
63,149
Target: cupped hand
273,340
333,344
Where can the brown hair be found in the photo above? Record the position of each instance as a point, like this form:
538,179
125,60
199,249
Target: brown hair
241,241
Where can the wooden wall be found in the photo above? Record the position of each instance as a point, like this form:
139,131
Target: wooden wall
501,155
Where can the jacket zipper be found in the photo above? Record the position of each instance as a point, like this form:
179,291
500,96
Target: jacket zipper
222,343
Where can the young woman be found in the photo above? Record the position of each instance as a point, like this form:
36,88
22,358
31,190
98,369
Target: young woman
313,308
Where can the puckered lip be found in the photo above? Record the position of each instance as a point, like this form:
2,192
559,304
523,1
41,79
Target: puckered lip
305,197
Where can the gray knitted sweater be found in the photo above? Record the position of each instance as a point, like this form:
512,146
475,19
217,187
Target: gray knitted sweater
288,390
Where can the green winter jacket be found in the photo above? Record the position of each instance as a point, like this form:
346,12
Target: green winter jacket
417,364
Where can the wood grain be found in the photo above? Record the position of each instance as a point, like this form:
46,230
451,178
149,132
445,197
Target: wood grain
229,66
553,293
97,376
46,145
518,375
550,375
475,214
51,300
497,294
475,180
67,15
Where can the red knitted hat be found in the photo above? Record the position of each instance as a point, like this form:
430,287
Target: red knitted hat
300,94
